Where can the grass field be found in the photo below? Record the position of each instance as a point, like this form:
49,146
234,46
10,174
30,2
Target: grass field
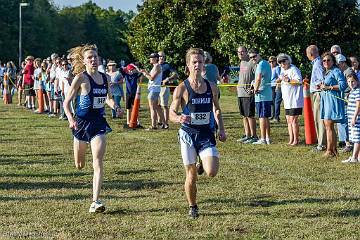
261,192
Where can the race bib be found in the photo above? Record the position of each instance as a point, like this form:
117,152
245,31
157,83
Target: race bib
200,118
99,102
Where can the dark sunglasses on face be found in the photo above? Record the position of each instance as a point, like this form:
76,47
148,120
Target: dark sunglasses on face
282,61
252,57
327,60
334,53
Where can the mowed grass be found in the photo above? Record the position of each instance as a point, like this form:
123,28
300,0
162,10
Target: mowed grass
260,192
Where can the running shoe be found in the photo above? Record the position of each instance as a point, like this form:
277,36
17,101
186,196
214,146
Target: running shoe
260,142
97,207
251,140
319,148
350,160
194,212
243,139
151,128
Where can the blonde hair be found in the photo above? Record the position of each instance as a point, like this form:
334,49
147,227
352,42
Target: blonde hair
77,57
193,51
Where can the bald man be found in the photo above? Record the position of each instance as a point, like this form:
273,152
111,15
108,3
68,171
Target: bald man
317,76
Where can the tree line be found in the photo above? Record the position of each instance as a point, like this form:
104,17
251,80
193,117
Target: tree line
47,29
218,26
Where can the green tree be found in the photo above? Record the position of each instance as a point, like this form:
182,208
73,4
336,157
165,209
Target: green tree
275,26
104,27
173,26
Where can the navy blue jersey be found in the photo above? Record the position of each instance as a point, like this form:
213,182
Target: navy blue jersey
92,105
200,108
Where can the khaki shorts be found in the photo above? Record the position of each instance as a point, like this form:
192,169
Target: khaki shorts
164,96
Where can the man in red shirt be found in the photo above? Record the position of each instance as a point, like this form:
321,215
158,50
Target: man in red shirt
28,82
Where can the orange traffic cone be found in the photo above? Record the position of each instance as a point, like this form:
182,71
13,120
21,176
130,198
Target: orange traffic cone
40,101
310,131
135,109
6,92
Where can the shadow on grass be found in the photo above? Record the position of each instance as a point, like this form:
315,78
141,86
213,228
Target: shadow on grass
28,162
270,203
70,197
135,184
119,185
137,171
45,175
349,213
137,212
224,201
30,155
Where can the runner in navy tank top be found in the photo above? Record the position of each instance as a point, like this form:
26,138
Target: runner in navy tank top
91,89
197,132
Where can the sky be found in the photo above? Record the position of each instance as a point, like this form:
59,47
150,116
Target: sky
124,5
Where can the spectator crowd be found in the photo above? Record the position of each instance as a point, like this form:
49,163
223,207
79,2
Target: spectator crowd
264,84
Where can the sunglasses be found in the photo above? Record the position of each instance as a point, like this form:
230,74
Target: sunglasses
282,61
252,57
334,53
326,60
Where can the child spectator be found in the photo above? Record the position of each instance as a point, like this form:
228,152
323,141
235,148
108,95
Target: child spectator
353,111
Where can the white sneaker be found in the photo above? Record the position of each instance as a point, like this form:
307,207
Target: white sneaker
268,141
350,160
97,207
260,141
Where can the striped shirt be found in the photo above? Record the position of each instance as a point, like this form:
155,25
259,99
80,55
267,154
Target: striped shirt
354,96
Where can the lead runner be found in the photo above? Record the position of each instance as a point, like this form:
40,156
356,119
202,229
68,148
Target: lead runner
197,132
91,89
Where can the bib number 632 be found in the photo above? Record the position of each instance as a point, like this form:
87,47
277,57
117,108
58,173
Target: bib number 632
200,118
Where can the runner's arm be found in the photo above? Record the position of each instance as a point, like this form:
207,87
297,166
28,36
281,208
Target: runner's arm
73,91
176,103
217,113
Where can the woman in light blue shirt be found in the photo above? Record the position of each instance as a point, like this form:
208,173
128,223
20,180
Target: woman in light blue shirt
332,106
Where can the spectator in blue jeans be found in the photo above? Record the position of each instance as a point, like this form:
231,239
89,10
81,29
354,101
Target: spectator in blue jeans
276,90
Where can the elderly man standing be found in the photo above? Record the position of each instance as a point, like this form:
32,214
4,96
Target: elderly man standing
246,99
317,76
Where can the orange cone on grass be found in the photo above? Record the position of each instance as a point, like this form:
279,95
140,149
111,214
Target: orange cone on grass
309,124
135,109
40,101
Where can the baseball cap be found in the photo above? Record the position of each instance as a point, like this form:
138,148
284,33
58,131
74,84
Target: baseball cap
340,58
154,55
130,67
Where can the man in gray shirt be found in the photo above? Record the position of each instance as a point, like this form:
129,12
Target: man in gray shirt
246,98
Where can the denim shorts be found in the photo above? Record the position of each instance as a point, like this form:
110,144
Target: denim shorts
153,96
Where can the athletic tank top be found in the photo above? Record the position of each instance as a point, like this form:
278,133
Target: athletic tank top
200,108
155,85
92,105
